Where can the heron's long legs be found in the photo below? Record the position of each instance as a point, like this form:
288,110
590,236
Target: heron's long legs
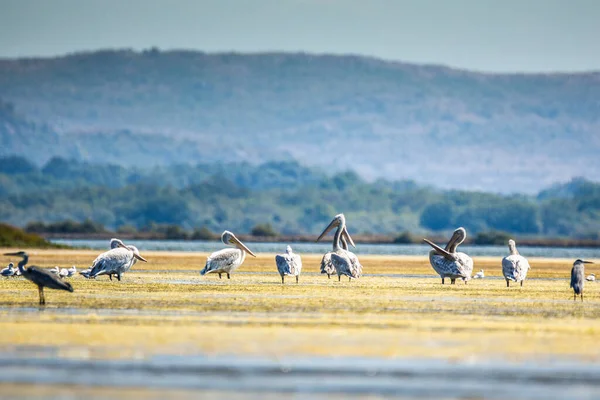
42,297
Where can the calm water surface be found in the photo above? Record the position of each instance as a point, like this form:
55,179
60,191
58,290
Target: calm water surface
320,248
305,377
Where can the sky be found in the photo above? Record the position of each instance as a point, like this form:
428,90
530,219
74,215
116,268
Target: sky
482,35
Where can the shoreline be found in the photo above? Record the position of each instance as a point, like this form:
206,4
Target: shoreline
266,258
366,239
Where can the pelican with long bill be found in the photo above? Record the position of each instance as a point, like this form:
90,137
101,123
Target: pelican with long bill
226,261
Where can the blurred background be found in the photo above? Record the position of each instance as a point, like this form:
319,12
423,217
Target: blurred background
181,119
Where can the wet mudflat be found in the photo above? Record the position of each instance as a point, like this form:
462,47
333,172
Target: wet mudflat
396,331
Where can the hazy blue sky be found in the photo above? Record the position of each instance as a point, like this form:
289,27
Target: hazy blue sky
502,35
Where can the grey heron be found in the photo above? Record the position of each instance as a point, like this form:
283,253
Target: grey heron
226,261
345,262
577,274
514,266
288,264
449,263
40,276
116,261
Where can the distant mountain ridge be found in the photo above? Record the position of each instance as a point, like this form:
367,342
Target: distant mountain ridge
432,124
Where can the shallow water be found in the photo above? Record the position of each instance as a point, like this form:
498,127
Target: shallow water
252,377
320,248
82,369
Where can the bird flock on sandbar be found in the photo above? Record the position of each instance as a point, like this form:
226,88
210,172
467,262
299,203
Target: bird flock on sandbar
446,261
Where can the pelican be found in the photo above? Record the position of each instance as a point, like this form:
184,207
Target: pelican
55,270
40,276
72,271
113,244
514,266
326,265
116,261
226,261
577,274
591,277
449,263
479,275
288,264
86,273
345,262
8,271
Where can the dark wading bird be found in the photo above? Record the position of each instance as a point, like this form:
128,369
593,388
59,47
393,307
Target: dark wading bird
514,266
578,277
40,276
226,261
344,261
449,263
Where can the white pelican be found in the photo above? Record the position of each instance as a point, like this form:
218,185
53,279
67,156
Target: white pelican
63,273
591,277
288,264
116,261
226,261
479,275
113,244
514,266
8,271
72,271
55,270
577,274
449,263
326,264
345,262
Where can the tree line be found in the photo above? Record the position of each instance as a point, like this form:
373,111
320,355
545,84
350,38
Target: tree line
283,197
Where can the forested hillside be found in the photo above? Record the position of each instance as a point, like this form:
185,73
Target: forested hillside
292,198
454,129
